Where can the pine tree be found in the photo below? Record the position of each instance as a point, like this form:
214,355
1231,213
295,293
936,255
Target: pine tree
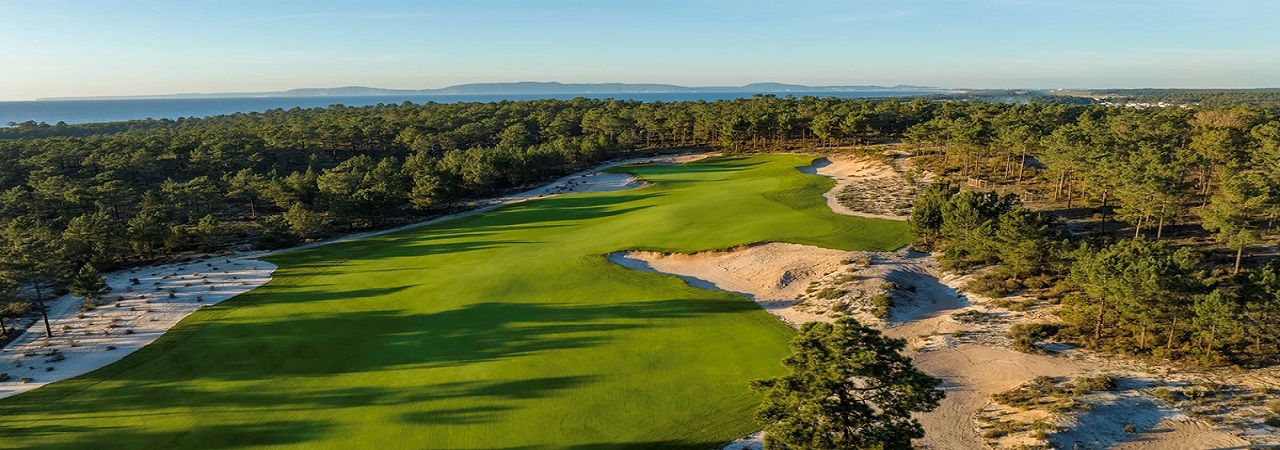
89,285
848,387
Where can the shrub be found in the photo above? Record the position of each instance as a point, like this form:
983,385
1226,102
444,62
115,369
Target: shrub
970,316
1165,394
1129,428
1273,421
1198,393
1102,382
1274,406
1026,345
829,293
993,433
1034,331
883,303
4,377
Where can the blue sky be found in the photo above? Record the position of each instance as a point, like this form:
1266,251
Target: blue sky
77,48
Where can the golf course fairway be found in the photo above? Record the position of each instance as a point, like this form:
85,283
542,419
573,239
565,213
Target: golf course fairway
507,329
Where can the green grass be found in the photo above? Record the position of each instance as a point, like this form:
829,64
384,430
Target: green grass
505,329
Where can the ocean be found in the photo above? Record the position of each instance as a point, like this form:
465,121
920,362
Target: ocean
91,111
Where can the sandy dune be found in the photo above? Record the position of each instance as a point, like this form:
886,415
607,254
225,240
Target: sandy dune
875,188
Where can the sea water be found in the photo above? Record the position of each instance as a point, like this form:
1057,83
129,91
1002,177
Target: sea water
90,111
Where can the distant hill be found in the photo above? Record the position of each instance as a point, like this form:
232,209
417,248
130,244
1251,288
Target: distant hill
525,88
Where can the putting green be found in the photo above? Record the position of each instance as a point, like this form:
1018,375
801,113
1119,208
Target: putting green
504,329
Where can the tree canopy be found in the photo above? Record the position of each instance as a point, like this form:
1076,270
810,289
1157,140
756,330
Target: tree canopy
847,386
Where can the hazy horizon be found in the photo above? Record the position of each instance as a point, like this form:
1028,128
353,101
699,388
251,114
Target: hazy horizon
73,48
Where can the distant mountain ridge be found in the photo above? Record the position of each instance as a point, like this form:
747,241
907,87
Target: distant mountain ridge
523,88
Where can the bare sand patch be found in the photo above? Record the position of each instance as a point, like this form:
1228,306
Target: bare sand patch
1182,433
132,315
773,275
865,187
971,373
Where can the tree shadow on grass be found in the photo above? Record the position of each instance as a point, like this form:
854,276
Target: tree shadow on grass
205,436
322,346
433,401
380,340
555,209
290,351
669,444
544,213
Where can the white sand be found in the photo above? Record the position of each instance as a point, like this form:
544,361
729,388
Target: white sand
773,275
142,316
847,171
90,340
1181,433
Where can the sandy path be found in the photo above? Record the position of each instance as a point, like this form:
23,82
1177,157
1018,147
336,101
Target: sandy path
134,315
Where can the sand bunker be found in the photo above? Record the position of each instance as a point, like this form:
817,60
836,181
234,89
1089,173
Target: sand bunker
773,275
131,316
865,187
